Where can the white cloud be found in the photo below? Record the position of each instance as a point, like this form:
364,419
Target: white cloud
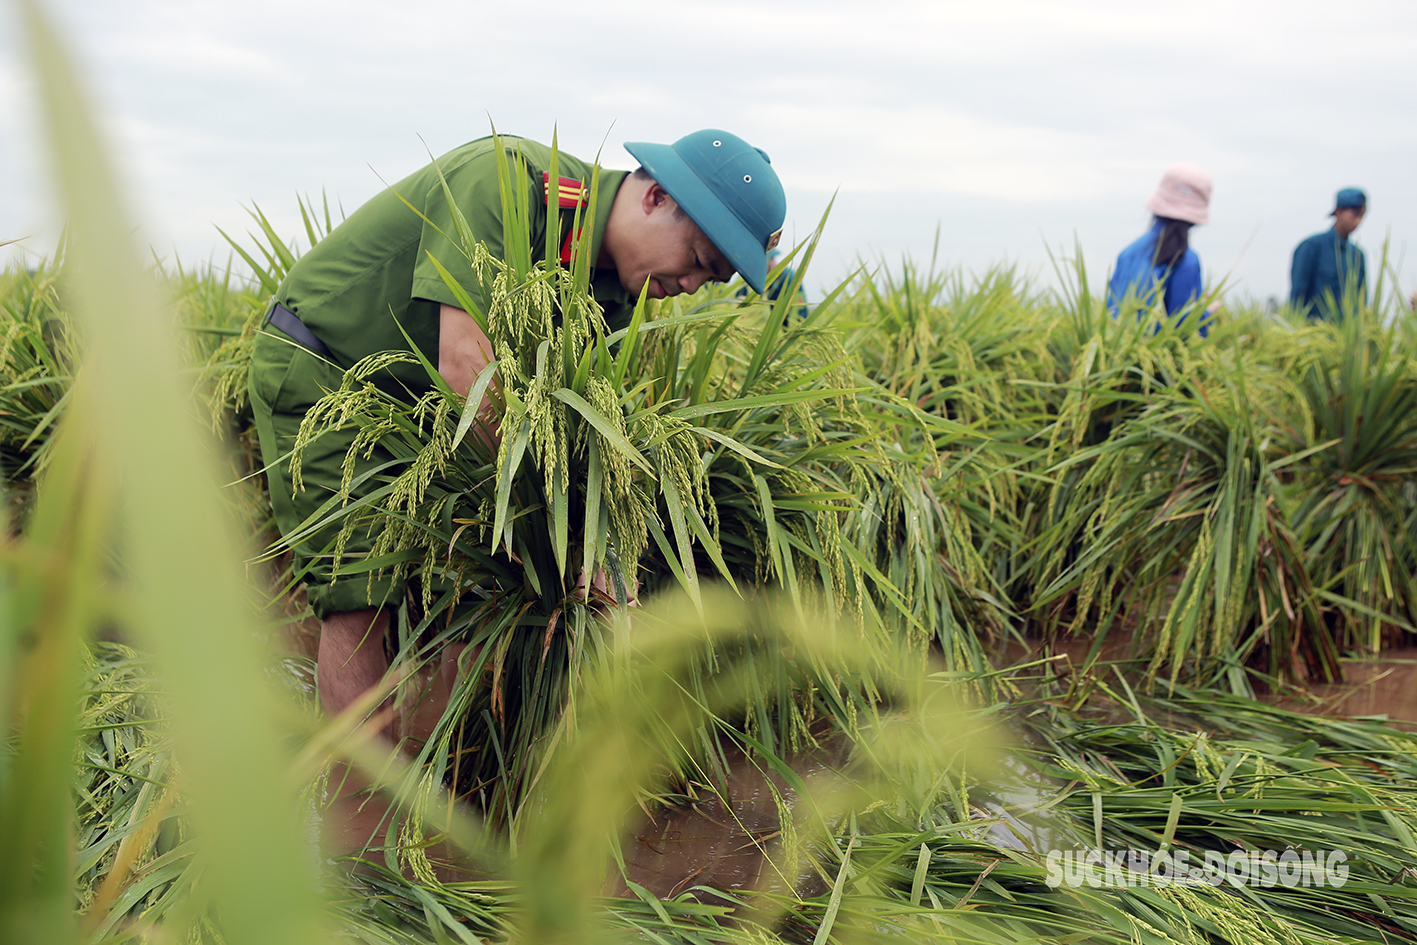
189,52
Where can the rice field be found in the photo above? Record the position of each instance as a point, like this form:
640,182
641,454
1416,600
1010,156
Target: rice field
839,524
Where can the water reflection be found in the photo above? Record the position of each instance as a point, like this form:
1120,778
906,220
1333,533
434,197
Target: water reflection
1382,688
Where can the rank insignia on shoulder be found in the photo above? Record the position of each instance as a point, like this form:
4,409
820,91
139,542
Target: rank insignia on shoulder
569,191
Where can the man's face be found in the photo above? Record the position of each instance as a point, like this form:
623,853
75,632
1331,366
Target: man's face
669,251
1346,219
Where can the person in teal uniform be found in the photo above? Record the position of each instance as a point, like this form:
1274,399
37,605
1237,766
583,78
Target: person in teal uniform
780,285
1327,266
783,282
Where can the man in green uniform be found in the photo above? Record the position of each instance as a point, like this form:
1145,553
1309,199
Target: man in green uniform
697,210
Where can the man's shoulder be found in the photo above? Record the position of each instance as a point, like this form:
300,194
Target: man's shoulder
1318,239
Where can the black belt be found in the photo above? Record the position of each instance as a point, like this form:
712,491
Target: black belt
284,319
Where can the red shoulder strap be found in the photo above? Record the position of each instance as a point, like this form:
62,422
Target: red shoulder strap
569,191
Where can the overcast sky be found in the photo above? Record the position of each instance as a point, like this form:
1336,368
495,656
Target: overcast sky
1010,126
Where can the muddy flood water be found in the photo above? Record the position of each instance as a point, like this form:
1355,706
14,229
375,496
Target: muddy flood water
1385,687
727,839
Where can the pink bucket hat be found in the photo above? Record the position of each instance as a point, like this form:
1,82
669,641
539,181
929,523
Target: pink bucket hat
1183,194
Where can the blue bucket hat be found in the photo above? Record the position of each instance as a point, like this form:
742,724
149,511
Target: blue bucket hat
1350,197
728,188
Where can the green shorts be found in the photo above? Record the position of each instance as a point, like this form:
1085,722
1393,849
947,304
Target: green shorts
286,381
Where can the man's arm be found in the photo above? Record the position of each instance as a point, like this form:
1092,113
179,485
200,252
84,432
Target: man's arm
1301,275
464,350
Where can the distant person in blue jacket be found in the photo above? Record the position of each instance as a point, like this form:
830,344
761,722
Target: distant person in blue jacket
1161,265
1327,264
780,284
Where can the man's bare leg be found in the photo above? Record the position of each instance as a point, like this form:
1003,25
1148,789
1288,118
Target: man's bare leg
352,661
425,698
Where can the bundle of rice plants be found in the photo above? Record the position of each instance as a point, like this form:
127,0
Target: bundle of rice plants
1354,500
967,354
1183,536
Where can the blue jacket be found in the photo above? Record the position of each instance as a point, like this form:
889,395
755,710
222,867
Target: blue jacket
780,284
1138,273
1323,264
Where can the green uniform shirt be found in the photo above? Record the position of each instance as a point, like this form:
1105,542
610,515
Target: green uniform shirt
372,273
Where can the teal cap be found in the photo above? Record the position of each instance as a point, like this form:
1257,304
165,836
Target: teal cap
1350,197
728,188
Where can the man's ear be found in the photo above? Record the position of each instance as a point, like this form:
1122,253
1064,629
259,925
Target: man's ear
653,198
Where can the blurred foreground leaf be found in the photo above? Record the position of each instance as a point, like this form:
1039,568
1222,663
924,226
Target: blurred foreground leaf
182,581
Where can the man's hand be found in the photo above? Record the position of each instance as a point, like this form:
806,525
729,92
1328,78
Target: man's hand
599,589
464,350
